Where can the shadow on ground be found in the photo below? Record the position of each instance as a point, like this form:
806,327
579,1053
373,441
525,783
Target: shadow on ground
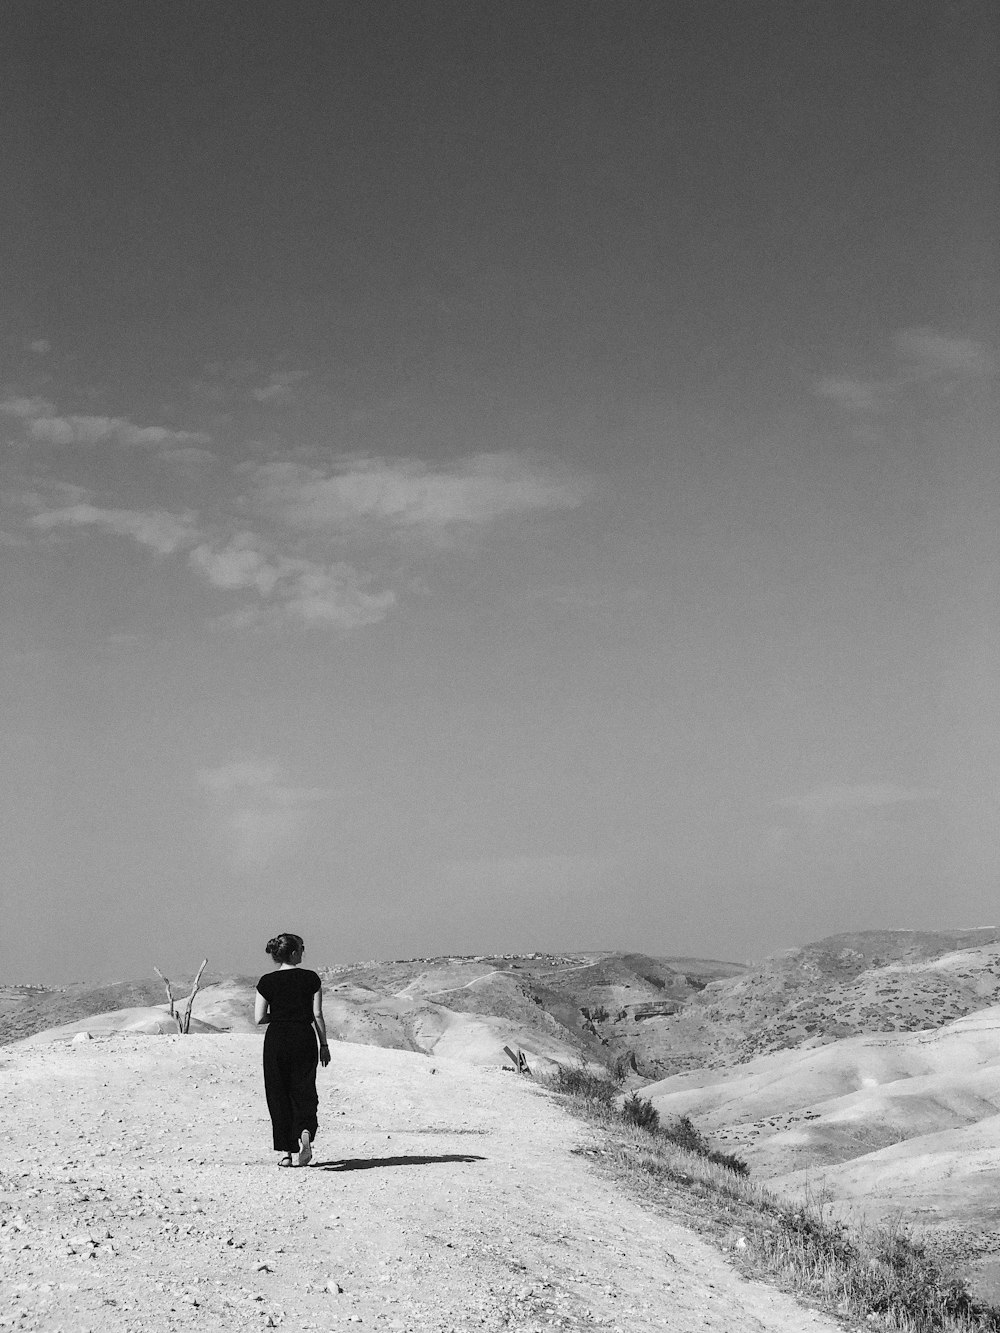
369,1163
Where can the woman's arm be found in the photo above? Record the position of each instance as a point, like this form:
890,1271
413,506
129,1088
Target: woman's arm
260,1014
319,1024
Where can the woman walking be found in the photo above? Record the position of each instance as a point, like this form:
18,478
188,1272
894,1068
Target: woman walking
290,1001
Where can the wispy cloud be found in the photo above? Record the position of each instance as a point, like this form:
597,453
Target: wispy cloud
279,387
45,425
920,357
84,430
863,796
331,594
409,494
47,493
925,354
334,594
261,813
26,408
243,379
162,532
284,538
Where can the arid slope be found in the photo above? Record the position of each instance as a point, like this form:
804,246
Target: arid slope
139,1195
881,1123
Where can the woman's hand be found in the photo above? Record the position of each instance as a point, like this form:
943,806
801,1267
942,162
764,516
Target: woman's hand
324,1055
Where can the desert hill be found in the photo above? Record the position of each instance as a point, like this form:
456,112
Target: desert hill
554,1007
138,1191
25,1010
865,1064
881,1122
660,1015
842,986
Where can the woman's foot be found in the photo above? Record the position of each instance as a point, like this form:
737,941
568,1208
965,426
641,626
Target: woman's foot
305,1149
285,1159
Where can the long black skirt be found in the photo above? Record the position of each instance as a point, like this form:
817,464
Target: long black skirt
290,1060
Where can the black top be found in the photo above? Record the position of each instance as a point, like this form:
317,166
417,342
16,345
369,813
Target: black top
289,994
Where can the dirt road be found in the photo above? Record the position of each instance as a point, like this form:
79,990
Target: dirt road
138,1191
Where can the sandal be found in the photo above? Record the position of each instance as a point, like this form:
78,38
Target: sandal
286,1160
305,1149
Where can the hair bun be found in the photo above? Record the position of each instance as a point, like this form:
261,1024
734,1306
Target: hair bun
271,945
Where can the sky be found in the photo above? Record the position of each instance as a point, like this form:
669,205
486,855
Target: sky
495,476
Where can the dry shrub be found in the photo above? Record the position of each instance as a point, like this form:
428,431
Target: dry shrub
581,1081
882,1274
643,1114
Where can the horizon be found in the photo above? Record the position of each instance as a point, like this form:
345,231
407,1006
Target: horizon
217,974
473,469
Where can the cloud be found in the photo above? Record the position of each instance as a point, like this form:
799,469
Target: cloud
162,532
84,430
408,494
925,354
921,357
261,813
871,796
295,519
227,382
332,594
26,408
280,387
238,564
48,493
46,426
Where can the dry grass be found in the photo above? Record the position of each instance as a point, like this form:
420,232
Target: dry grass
882,1274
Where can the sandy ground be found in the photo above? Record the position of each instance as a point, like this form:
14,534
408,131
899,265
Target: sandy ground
138,1190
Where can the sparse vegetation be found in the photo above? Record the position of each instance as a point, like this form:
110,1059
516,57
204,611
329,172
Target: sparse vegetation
882,1274
686,1135
596,1015
581,1081
640,1112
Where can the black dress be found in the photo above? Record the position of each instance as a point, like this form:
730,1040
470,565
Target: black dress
290,1054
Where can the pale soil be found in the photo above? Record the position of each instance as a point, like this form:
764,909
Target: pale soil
882,1124
138,1191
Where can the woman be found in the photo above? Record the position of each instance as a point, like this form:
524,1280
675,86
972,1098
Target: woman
290,1001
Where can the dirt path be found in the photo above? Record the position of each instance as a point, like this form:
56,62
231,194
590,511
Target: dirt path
450,990
138,1192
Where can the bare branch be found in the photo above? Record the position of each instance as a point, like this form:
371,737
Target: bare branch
194,992
170,996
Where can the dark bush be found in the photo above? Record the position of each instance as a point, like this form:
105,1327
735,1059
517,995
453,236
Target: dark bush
684,1133
643,1114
